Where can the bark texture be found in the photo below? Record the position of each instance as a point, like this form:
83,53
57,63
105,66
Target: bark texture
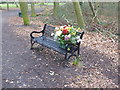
78,12
24,11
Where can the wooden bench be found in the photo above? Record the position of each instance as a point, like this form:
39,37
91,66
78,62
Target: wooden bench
45,39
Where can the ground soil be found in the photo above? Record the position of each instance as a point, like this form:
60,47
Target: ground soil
45,68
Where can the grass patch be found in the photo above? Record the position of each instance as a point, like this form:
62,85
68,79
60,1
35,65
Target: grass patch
4,6
49,3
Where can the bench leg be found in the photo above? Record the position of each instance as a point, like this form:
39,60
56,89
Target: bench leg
78,52
66,56
72,56
32,43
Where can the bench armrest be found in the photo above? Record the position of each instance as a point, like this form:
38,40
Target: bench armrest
81,34
31,34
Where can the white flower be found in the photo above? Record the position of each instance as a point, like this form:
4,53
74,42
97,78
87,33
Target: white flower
69,25
61,27
58,33
66,37
55,37
78,37
56,28
52,34
79,40
69,35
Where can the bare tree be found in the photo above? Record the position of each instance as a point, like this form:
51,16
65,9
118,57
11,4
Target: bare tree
94,11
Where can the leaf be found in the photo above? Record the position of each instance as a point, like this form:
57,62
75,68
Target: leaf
68,49
51,73
76,61
73,41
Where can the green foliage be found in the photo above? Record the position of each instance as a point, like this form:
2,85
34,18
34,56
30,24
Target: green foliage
49,3
42,3
67,35
76,61
3,6
2,2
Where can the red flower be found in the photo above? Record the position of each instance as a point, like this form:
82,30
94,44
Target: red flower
65,31
64,27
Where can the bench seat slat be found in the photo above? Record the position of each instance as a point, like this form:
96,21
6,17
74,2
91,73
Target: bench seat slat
45,41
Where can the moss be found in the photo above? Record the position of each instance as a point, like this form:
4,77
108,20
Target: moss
79,14
24,11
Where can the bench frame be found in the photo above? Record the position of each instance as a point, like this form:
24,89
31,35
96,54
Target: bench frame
71,52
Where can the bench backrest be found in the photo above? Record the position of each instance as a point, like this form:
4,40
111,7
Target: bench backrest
47,30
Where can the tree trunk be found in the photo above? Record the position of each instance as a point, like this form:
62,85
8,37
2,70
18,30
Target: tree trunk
56,8
16,4
24,11
33,14
7,6
78,12
0,8
92,8
94,12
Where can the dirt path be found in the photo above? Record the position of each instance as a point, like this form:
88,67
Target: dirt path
45,68
17,58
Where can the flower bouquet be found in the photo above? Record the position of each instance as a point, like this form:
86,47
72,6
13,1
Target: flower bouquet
67,35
